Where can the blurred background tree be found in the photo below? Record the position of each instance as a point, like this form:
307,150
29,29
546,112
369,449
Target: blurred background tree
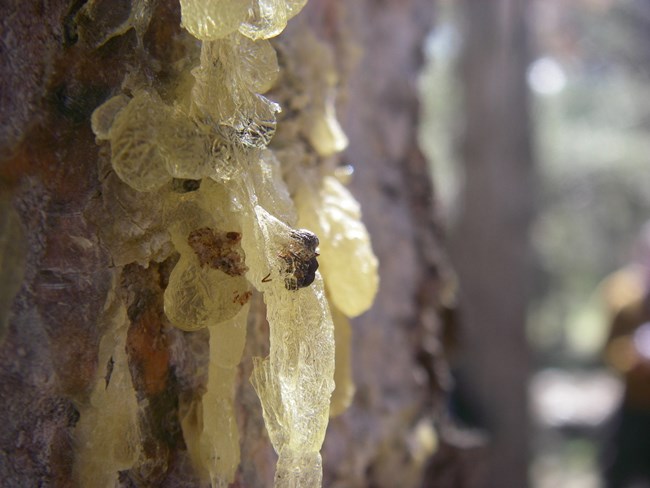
490,239
588,73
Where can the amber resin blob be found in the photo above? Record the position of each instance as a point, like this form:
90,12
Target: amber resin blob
245,200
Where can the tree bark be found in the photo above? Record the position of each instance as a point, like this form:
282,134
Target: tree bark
56,177
398,361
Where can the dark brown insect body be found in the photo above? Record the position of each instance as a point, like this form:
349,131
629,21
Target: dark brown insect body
185,186
300,257
218,250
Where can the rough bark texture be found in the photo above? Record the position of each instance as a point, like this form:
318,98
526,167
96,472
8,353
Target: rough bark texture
490,247
49,168
397,353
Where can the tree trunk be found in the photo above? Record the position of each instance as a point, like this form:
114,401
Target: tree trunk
398,361
490,246
58,66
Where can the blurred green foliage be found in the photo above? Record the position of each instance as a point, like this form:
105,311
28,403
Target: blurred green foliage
593,147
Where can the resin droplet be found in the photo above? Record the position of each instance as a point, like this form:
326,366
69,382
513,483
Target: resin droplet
220,436
344,391
295,382
107,434
227,93
348,263
325,133
198,296
267,18
185,147
103,117
210,20
135,152
207,286
218,250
